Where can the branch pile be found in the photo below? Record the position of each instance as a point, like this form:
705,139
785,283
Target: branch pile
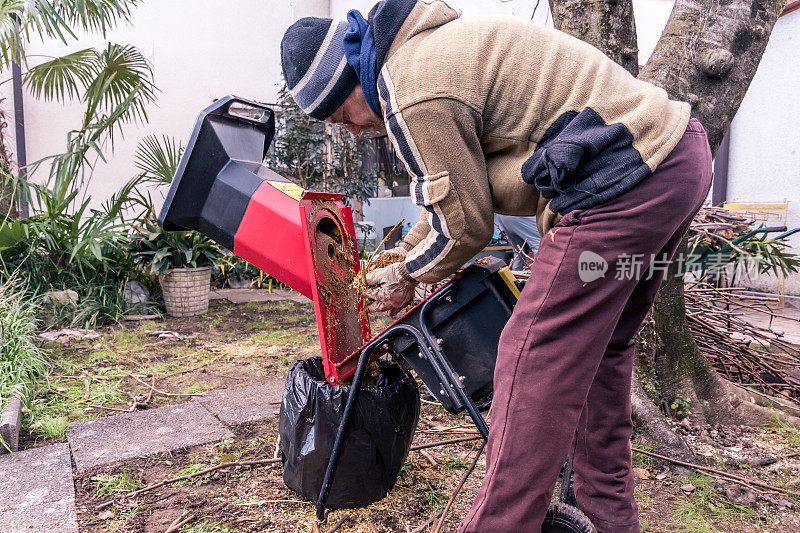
715,227
724,325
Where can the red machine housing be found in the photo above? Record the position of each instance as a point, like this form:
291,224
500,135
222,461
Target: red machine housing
315,253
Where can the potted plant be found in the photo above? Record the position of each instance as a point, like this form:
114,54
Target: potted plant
182,260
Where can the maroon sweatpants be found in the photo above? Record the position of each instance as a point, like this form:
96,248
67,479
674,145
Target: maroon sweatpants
563,375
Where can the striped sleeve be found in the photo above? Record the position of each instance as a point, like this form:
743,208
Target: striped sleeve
418,232
438,142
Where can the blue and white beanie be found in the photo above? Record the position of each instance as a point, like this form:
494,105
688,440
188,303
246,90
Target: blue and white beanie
314,65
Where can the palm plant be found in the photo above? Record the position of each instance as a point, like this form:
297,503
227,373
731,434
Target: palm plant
153,249
115,86
67,241
21,20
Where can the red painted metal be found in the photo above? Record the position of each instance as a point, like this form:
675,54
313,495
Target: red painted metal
271,237
307,241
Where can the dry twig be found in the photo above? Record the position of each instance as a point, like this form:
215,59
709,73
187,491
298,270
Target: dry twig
203,472
161,392
179,522
458,488
420,528
338,524
443,442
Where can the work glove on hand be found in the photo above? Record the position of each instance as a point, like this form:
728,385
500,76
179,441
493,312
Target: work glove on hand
390,290
397,250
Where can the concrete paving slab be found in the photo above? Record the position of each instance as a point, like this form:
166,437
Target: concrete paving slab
116,438
245,404
38,491
54,517
241,296
36,476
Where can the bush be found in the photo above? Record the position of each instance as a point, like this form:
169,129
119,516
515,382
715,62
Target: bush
67,243
233,267
21,360
158,251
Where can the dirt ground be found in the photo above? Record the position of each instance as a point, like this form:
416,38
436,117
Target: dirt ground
239,345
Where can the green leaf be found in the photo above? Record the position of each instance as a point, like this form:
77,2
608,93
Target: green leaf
123,85
63,77
158,159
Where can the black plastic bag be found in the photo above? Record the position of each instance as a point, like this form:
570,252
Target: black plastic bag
384,419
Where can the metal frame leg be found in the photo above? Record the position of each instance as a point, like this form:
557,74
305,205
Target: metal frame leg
448,376
333,463
566,482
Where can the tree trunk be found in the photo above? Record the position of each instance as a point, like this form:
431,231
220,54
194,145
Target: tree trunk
707,56
605,24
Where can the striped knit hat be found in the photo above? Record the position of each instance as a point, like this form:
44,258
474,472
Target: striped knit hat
314,66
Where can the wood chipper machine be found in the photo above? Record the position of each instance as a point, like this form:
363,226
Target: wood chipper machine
306,240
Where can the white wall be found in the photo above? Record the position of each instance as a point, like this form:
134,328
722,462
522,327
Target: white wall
764,161
651,18
522,8
200,50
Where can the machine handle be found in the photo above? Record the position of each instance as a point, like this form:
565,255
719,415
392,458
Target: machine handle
265,118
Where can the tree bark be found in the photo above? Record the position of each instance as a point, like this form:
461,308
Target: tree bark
605,24
707,56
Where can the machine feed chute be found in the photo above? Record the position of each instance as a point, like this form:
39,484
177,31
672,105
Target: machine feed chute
303,239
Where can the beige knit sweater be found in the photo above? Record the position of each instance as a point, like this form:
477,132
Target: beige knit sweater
466,101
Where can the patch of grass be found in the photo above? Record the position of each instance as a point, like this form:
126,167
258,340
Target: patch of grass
641,460
163,367
705,504
51,427
195,388
65,365
215,320
280,335
717,458
150,325
208,527
101,356
192,469
642,498
258,325
128,339
452,463
107,484
285,361
105,393
792,433
434,498
224,443
22,362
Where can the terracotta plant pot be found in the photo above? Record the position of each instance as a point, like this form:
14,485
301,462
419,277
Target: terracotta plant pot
186,291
